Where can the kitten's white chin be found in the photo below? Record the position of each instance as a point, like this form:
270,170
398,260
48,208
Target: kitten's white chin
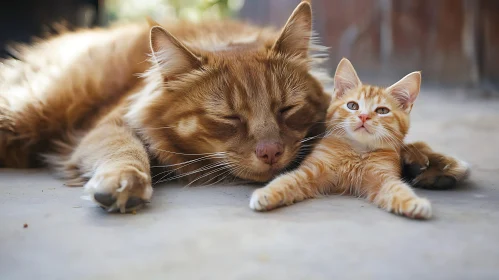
364,141
363,129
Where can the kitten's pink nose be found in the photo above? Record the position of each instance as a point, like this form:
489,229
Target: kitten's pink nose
364,117
269,152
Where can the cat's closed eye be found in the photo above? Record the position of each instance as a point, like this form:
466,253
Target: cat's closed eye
382,110
286,109
233,118
353,105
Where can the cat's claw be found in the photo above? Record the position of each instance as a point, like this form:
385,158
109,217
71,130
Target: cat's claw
120,190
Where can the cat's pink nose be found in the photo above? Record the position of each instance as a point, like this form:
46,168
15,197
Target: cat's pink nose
269,152
364,117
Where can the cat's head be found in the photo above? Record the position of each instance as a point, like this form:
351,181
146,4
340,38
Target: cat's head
248,102
372,116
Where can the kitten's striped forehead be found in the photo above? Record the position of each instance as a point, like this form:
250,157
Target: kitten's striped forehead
373,93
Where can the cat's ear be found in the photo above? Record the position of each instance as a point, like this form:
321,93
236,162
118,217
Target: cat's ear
296,34
406,90
172,57
345,78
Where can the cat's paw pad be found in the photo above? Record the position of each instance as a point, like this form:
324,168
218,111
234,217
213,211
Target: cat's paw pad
125,190
264,200
417,208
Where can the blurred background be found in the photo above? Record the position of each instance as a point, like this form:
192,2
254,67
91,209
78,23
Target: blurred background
454,42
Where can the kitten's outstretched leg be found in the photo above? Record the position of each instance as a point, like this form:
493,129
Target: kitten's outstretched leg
397,197
116,163
424,168
306,182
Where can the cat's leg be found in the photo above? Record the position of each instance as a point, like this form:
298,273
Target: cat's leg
308,181
117,164
10,155
6,117
424,168
397,197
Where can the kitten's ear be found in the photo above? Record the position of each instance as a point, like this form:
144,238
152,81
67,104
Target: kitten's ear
345,78
172,57
406,90
296,34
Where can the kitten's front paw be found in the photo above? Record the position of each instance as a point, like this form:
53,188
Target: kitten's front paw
264,199
416,208
126,189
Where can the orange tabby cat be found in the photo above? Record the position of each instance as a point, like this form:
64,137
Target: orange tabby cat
117,109
361,154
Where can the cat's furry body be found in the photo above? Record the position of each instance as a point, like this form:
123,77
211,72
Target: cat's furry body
101,104
361,155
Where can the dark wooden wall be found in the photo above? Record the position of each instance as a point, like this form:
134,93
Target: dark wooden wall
453,42
22,19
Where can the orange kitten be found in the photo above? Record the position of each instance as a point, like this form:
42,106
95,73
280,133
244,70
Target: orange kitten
361,154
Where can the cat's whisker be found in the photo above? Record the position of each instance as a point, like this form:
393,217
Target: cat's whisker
215,175
224,167
201,169
186,154
183,165
154,128
171,171
190,161
226,173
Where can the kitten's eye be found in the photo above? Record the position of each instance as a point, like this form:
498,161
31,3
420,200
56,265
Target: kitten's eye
286,109
353,105
233,118
382,110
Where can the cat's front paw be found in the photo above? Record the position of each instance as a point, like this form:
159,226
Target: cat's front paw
124,189
416,208
264,199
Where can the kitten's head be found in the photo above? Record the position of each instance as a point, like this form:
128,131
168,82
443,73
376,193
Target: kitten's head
250,100
372,116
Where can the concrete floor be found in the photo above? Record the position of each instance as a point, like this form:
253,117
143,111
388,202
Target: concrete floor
210,233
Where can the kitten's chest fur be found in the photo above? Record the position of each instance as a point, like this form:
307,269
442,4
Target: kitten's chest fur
351,164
